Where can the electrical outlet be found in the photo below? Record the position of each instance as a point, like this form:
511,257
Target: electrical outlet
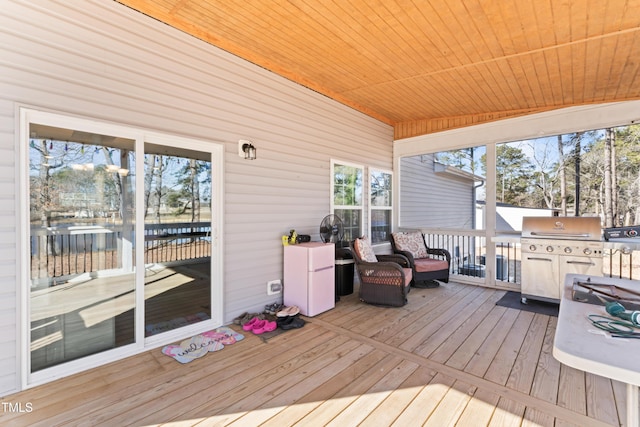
274,287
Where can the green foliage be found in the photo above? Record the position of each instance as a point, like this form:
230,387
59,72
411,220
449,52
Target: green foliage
347,185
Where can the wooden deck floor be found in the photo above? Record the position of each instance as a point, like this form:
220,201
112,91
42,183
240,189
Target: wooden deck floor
449,357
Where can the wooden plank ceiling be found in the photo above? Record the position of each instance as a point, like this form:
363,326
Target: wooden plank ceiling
429,65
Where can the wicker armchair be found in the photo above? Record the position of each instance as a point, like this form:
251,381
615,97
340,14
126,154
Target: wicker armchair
427,264
384,279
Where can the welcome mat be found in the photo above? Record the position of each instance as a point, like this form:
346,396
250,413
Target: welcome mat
513,300
199,345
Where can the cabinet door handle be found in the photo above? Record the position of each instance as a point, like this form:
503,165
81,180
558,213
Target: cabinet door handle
539,259
581,262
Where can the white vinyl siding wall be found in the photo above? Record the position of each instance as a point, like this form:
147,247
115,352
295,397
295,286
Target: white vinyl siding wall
101,60
9,305
433,200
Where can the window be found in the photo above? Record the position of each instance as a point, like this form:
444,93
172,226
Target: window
381,205
347,202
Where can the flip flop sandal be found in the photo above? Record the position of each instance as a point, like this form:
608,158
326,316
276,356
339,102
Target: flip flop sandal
289,311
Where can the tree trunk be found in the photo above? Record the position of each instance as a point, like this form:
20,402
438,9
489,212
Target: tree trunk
148,181
607,197
577,153
563,178
158,192
617,220
195,191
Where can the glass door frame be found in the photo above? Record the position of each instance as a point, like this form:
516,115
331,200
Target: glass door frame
141,344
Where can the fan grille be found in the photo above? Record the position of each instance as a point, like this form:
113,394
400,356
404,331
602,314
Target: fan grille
331,229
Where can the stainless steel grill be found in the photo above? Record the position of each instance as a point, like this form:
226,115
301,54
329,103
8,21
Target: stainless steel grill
553,247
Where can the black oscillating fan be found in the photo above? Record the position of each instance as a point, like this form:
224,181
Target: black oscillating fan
331,229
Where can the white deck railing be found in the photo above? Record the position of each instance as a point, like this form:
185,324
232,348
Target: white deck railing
469,263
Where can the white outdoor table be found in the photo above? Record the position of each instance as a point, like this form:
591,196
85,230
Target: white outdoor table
575,346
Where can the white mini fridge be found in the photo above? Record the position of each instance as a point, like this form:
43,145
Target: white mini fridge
309,277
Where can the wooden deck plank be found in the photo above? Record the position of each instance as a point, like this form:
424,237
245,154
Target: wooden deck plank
450,356
468,336
425,402
329,409
399,399
246,388
407,325
523,371
431,322
546,379
500,367
620,396
325,391
191,381
479,410
448,330
507,413
471,345
266,402
369,401
547,374
600,402
482,358
451,406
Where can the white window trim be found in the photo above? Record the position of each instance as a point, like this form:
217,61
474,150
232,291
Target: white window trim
361,208
382,208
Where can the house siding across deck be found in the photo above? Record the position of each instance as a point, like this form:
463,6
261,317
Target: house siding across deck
430,199
100,60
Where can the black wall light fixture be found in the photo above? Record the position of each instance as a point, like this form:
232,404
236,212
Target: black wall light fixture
246,149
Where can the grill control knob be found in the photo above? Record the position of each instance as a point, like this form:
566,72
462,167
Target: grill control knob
587,251
532,248
549,248
567,250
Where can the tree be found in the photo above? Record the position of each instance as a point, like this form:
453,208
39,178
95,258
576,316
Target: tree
608,190
462,159
188,181
513,174
562,177
577,140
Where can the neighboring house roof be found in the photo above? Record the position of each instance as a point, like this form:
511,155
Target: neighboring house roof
441,168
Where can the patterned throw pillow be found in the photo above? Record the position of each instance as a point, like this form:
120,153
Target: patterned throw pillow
411,242
365,251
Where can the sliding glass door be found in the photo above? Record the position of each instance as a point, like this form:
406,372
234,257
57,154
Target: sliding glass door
81,237
177,241
99,202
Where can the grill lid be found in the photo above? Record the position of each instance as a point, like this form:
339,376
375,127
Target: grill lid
565,228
